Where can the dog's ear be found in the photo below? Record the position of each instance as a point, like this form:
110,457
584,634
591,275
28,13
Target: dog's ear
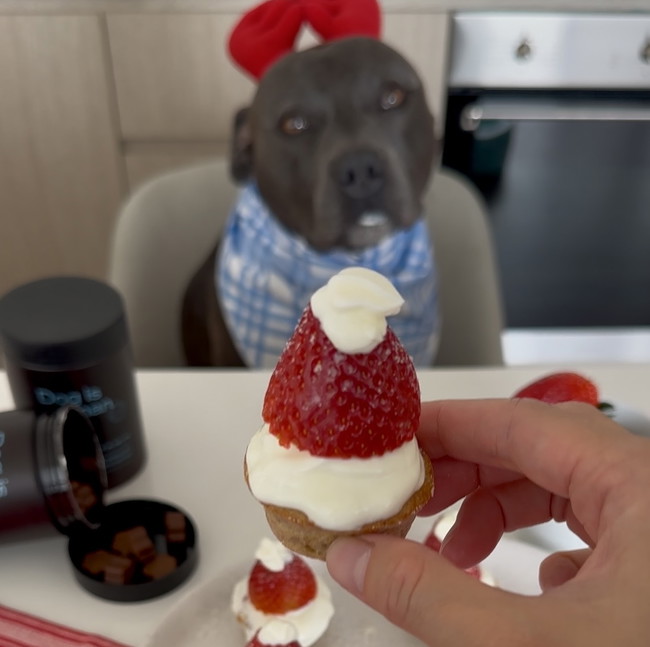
241,151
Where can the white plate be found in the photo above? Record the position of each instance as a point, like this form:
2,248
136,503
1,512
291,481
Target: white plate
552,536
204,619
633,420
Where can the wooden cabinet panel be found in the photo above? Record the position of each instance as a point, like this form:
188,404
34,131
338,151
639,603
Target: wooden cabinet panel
173,77
175,80
423,39
61,178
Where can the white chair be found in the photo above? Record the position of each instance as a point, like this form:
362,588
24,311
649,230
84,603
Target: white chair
168,226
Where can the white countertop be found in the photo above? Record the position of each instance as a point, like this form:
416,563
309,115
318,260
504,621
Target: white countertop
197,425
236,6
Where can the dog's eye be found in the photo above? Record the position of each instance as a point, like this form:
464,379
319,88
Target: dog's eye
392,98
294,124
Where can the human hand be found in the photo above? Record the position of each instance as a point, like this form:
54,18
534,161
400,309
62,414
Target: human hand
519,463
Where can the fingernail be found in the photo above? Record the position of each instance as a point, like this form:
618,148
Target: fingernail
347,561
446,550
446,540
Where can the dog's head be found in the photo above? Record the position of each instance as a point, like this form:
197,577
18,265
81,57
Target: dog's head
340,141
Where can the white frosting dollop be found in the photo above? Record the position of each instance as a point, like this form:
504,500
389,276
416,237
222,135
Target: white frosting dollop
352,308
277,632
335,493
273,555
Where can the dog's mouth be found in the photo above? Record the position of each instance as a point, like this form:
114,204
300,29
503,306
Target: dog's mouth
372,219
368,230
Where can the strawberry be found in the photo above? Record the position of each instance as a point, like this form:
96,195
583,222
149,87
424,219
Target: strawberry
278,592
341,405
561,387
433,542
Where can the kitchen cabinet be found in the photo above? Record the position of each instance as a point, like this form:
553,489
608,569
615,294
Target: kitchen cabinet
61,176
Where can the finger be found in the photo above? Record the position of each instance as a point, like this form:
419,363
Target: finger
561,567
418,590
486,514
456,479
572,450
479,527
453,479
501,432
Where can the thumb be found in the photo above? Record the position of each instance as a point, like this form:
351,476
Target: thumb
420,591
559,568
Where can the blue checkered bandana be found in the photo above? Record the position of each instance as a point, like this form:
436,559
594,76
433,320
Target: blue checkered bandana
266,276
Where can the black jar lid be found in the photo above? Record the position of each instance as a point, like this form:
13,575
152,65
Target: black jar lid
143,549
62,322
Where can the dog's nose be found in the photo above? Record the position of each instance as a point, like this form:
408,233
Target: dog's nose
360,174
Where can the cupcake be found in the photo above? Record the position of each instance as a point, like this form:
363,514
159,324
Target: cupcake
441,526
337,453
282,586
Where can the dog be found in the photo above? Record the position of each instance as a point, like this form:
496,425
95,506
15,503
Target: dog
338,144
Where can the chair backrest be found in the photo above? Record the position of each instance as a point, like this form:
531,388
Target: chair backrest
167,227
469,287
164,231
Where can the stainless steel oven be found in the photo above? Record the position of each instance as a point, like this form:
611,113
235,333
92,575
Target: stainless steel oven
549,115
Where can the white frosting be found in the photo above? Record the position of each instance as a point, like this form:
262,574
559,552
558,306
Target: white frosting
277,632
273,555
352,308
335,493
307,624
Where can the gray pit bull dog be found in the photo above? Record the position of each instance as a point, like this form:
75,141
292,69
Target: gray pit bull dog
339,144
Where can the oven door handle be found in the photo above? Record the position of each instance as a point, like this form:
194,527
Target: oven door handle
546,110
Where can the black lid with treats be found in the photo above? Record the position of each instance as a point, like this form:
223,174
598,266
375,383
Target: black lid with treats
143,549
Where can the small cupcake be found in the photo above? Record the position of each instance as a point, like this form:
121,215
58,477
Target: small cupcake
337,453
282,586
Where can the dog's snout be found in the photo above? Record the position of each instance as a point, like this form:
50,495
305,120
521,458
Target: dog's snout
360,174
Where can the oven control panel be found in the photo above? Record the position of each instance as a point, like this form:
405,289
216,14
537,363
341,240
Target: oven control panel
550,50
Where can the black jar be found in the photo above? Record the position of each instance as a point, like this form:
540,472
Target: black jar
66,343
52,476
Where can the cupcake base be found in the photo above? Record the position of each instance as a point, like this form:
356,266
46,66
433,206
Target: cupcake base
294,529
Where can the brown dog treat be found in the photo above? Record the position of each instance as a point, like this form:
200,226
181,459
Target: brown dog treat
95,562
134,542
175,527
84,495
161,565
118,570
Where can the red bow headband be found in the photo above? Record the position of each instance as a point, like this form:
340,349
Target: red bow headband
269,31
